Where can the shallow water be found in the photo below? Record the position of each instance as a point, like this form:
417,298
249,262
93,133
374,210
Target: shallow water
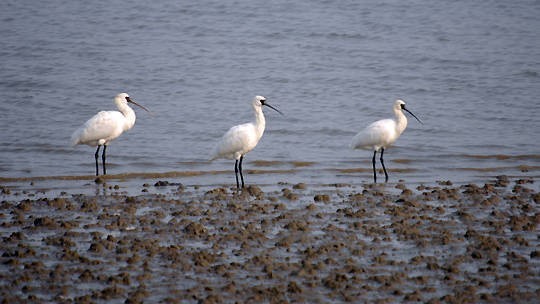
470,71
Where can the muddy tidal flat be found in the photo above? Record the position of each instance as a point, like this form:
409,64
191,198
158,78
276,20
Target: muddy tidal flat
290,243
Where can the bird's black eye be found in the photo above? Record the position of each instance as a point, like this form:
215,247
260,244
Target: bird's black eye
262,101
403,106
127,98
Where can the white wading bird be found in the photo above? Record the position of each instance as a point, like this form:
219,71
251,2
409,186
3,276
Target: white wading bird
381,134
105,126
241,139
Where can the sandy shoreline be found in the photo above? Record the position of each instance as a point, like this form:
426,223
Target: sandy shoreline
290,243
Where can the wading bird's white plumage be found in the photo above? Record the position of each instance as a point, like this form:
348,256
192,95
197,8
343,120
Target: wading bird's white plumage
241,139
105,126
382,133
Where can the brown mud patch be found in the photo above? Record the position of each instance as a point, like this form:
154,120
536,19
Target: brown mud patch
503,156
296,164
299,164
521,168
402,161
120,176
369,169
136,175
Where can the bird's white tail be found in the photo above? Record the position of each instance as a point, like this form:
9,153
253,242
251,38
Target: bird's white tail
214,155
75,137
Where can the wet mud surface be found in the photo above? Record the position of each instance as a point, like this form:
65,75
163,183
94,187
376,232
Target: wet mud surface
472,243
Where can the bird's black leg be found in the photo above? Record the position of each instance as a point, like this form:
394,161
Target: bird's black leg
382,163
374,170
236,174
240,168
103,159
97,156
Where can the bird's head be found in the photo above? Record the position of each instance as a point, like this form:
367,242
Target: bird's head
260,101
400,105
123,99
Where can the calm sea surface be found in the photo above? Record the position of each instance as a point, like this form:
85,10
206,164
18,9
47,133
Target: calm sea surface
468,69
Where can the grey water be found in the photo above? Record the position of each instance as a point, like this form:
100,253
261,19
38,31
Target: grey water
468,69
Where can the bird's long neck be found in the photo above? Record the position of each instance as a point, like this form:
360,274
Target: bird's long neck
129,114
401,121
260,122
